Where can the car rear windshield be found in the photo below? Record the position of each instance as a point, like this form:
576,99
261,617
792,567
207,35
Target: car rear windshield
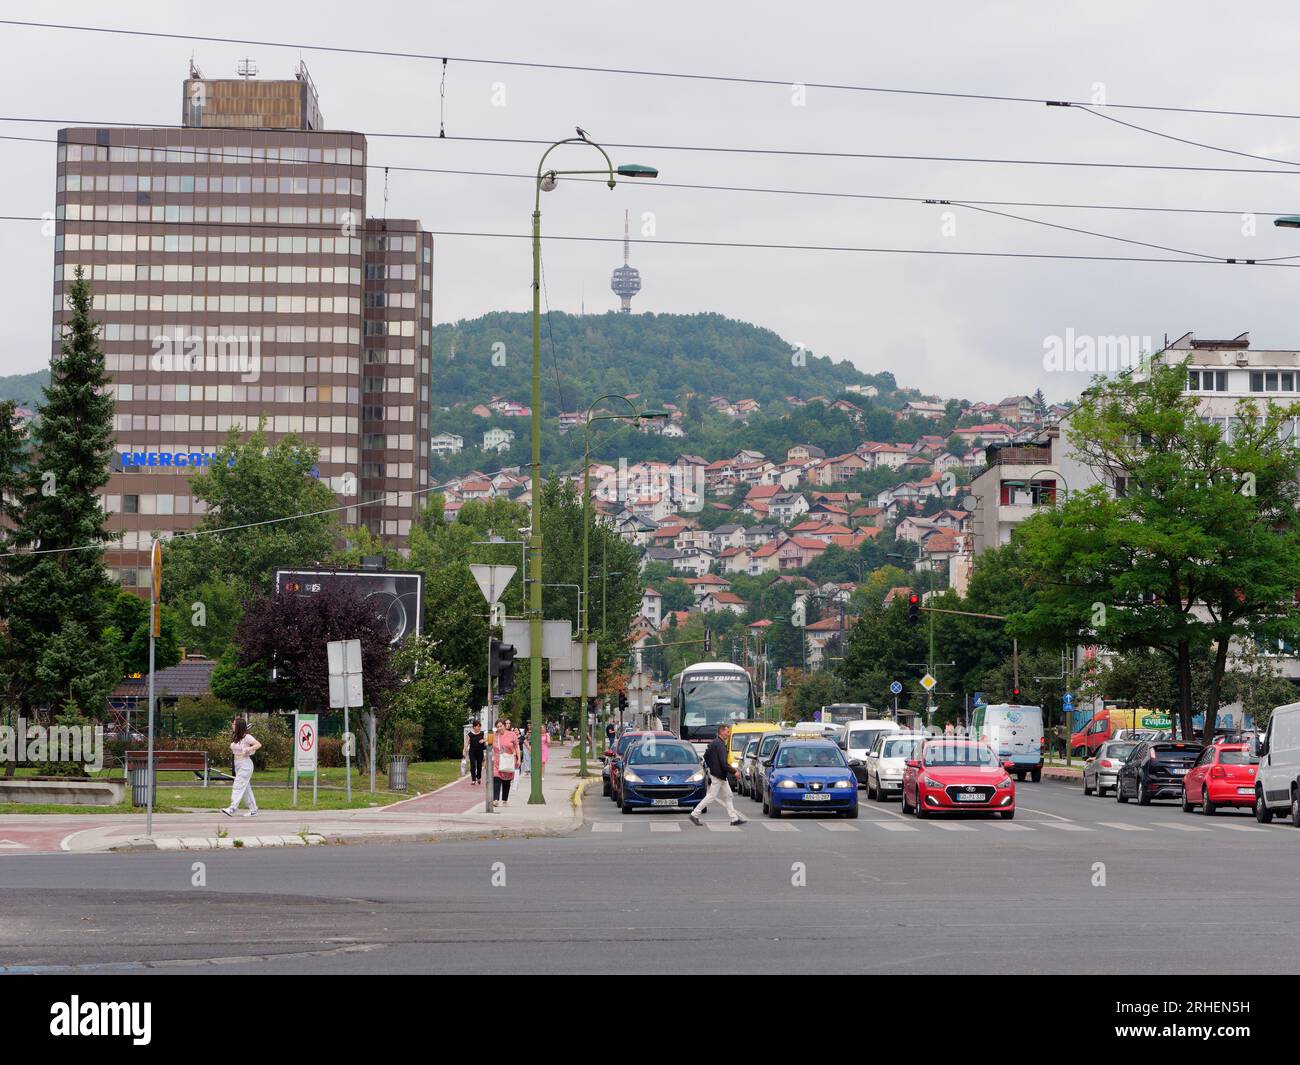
797,756
958,754
739,740
1119,750
648,753
1176,752
1238,758
862,737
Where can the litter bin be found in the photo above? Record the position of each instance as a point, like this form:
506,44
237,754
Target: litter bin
397,774
140,787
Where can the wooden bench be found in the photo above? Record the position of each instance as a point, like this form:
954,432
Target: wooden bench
177,761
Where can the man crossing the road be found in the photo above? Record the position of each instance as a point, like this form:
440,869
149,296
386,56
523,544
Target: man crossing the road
720,772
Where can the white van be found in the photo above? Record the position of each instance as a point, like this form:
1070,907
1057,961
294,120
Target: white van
1278,778
1015,733
856,740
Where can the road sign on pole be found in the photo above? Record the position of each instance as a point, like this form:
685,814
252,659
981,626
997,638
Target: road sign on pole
896,688
928,682
306,747
344,657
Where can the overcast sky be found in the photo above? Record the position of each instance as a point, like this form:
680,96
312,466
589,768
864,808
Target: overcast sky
971,327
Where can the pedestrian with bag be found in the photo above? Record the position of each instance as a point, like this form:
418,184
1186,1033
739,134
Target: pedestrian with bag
505,760
720,772
242,746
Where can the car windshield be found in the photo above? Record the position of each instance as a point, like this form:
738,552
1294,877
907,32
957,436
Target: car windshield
1242,757
661,753
627,739
768,743
862,737
958,754
1119,750
898,748
799,756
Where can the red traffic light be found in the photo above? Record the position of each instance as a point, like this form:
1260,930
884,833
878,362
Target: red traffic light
913,599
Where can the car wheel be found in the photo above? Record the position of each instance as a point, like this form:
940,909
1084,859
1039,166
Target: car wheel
1295,808
1262,813
1087,788
871,793
767,806
919,809
1007,815
604,787
1143,798
1036,775
1020,775
1187,802
1207,807
1119,792
851,813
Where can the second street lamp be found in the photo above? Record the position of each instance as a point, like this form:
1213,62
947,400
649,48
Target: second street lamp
546,181
635,415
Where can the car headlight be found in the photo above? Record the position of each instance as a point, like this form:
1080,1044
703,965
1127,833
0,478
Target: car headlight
695,777
630,776
844,784
930,782
1004,783
786,784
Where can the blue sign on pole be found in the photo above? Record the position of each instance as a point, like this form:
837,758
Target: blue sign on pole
895,688
1067,701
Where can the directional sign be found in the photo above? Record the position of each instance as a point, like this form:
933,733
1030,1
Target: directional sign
895,688
928,682
1067,702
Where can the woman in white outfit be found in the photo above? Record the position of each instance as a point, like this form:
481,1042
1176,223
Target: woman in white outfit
242,746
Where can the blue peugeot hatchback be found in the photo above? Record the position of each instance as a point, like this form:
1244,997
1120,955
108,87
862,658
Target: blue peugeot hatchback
809,775
660,772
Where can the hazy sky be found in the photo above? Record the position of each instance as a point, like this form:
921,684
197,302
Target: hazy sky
972,327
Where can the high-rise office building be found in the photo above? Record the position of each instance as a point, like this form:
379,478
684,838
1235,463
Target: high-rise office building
237,280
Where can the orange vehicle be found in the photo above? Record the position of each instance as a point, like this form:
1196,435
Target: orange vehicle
1103,725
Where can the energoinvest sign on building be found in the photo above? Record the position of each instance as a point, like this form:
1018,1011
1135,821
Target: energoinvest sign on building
165,458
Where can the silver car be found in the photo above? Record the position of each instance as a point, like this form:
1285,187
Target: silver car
1101,771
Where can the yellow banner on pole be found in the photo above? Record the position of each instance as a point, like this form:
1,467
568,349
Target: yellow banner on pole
155,567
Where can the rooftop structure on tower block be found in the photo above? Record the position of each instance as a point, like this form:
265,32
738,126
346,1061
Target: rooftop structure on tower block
626,280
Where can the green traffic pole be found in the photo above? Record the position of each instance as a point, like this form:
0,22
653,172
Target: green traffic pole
535,510
586,617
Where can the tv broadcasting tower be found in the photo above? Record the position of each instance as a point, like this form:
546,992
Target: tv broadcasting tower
626,280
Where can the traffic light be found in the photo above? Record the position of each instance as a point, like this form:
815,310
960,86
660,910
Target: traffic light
913,609
1015,696
708,641
501,664
622,701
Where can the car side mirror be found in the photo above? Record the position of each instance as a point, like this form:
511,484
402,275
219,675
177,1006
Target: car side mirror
1008,765
767,761
912,763
1261,747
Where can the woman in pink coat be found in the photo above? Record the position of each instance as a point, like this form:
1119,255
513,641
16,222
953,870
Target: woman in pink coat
505,763
546,748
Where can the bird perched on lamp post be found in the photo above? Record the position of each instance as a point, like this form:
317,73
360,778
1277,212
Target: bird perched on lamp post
582,133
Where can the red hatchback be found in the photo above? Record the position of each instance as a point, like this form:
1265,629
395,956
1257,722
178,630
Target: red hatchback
1224,775
951,774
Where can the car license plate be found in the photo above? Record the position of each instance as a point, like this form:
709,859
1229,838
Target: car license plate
663,802
1245,791
820,797
963,797
1180,772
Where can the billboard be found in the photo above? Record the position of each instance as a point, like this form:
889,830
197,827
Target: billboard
398,596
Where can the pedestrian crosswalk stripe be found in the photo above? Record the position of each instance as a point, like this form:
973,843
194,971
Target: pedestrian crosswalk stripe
1123,826
1245,828
954,827
668,826
1011,826
607,826
1067,826
780,826
893,826
1179,827
831,826
721,826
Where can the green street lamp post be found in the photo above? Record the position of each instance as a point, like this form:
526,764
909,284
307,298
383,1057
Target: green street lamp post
634,416
545,182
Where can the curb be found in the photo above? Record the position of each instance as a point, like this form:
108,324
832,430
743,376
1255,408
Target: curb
213,843
1058,773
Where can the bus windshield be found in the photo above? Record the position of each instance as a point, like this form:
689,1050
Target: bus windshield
708,701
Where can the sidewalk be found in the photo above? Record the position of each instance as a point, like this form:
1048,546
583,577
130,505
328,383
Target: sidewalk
455,811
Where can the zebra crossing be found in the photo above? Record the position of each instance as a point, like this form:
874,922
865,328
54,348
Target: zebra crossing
1053,828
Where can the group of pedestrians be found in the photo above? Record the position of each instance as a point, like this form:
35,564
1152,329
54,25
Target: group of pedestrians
511,754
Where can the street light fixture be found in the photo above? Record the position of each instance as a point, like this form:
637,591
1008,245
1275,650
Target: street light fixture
635,415
545,182
1289,221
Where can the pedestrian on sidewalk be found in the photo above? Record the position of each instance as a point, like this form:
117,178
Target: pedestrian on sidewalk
546,750
505,760
526,751
475,743
721,772
242,746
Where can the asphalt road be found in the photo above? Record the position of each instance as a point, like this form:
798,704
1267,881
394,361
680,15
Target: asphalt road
653,893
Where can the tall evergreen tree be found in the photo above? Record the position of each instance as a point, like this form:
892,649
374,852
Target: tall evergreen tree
56,585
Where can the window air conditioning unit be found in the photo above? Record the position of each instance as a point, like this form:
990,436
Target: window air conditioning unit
1243,359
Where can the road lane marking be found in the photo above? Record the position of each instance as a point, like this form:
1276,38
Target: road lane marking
1123,826
1244,828
890,826
607,826
1179,827
779,826
1011,826
1045,813
667,827
953,828
830,827
1066,826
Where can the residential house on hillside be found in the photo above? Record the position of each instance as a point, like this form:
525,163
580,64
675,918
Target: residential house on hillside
878,455
922,409
804,452
763,559
709,582
946,461
975,459
734,559
714,602
1017,409
757,535
634,529
509,408
498,439
826,640
988,433
652,604
787,506
795,552
725,536
447,444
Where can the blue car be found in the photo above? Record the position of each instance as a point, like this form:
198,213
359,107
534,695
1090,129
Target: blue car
809,775
661,773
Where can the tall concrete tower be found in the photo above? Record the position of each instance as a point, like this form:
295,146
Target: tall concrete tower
626,280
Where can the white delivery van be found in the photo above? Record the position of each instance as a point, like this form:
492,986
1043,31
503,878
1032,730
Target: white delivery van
1278,779
1015,733
856,741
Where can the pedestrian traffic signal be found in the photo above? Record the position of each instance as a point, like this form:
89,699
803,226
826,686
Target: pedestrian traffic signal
913,609
501,664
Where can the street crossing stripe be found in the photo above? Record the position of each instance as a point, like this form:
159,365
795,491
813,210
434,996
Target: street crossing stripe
721,826
607,826
1066,826
1123,826
891,826
1011,826
954,828
670,826
1245,828
779,826
1177,827
832,827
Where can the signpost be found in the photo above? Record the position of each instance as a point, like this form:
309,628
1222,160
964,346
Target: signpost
345,690
491,581
155,630
306,747
895,689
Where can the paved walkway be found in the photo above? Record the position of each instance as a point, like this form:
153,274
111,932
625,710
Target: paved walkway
455,811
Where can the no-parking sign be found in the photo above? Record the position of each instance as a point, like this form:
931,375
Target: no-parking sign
305,744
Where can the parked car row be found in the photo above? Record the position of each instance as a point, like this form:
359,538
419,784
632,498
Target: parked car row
1200,777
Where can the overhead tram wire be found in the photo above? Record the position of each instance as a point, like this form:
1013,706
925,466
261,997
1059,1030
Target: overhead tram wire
825,193
796,153
1184,140
642,73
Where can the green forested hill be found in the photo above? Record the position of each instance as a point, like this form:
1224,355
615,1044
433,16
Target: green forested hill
660,356
24,388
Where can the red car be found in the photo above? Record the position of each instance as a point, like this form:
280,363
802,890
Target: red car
951,774
1224,775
